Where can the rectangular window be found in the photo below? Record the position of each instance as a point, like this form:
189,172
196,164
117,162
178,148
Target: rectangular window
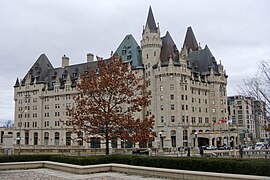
162,119
172,97
67,96
193,120
200,120
161,97
206,120
161,88
161,107
171,87
57,98
172,106
172,118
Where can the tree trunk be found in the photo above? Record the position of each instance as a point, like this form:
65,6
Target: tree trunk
107,143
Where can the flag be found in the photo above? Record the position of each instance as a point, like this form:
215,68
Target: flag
222,121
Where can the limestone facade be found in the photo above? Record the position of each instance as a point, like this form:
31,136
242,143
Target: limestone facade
188,89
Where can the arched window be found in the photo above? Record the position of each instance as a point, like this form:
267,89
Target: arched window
80,138
46,138
68,138
35,138
26,135
56,138
94,142
173,138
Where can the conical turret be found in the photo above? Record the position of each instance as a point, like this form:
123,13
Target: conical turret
150,22
190,41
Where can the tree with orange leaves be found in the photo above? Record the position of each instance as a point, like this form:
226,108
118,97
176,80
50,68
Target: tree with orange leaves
110,104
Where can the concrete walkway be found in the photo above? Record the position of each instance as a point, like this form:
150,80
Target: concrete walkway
48,174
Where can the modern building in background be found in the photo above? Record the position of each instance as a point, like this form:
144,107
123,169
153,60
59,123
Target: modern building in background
188,88
248,116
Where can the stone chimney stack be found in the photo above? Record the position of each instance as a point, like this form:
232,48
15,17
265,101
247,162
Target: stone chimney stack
65,61
90,57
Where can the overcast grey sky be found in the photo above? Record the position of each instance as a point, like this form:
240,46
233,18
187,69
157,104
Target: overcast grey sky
236,31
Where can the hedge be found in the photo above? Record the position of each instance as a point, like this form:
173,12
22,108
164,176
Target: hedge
221,165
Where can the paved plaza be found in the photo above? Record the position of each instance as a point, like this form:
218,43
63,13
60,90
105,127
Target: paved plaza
48,174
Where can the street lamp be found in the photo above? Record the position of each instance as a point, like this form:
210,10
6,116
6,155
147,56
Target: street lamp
124,145
196,140
20,134
79,140
161,141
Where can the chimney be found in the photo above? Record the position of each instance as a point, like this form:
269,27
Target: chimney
90,57
65,61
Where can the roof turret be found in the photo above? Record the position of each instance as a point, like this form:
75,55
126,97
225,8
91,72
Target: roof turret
150,22
190,41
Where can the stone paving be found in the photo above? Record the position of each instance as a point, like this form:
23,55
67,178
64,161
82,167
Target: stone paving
48,174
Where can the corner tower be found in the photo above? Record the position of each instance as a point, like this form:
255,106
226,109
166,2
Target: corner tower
151,42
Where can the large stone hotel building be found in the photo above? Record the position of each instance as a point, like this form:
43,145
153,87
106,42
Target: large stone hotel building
188,88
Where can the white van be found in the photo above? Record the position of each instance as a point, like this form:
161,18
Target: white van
260,145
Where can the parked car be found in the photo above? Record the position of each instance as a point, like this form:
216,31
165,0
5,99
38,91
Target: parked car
260,145
211,148
204,147
182,148
224,147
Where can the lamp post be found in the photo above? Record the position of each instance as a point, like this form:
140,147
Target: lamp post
161,142
78,141
124,145
27,96
196,140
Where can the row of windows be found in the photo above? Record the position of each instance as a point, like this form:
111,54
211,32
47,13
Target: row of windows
186,119
57,98
27,124
28,93
57,106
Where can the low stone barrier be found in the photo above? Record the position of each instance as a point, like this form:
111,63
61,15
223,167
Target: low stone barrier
128,169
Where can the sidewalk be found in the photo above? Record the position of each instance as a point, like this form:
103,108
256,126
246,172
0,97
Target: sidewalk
48,174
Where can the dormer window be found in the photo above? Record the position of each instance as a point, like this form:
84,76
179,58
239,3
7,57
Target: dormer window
129,57
124,51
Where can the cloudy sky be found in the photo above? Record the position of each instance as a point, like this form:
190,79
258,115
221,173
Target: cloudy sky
236,31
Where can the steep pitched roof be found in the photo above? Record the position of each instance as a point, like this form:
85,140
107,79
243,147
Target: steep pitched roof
17,84
190,41
202,60
168,50
150,22
39,69
130,51
73,71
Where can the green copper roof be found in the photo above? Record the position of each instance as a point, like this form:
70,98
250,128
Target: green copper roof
130,51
